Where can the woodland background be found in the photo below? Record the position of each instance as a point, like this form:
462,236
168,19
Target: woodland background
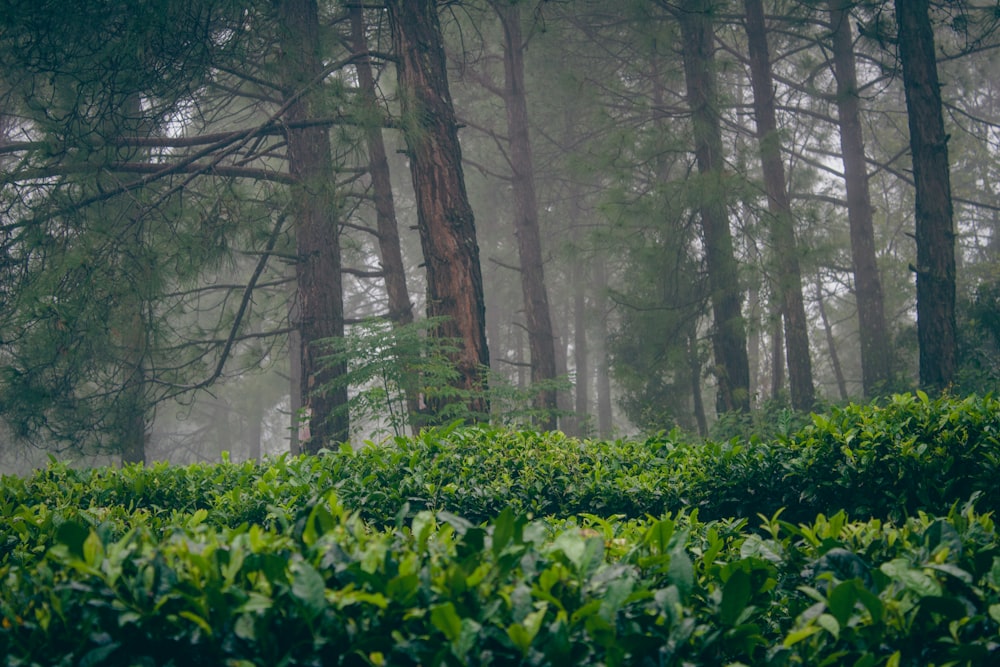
224,223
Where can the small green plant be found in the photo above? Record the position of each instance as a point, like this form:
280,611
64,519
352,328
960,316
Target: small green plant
394,372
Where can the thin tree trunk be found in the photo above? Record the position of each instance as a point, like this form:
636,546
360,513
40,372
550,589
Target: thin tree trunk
838,372
694,367
541,341
729,337
754,343
785,248
777,357
602,370
581,361
876,348
400,307
935,234
318,269
254,427
444,216
295,382
393,269
135,410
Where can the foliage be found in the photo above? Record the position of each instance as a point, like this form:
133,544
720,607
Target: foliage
325,588
490,546
388,363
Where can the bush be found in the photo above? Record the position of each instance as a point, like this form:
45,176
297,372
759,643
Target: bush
490,546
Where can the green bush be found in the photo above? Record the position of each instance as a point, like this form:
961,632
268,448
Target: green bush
490,546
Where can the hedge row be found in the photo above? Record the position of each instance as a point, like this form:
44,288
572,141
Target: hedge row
330,590
882,461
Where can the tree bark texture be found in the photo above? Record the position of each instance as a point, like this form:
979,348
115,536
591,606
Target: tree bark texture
444,216
876,348
729,337
320,300
935,234
541,341
782,222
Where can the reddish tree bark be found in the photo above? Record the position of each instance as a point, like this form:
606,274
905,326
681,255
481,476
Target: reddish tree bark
444,216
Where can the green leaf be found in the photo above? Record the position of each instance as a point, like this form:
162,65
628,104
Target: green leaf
841,601
503,530
197,620
309,587
830,624
523,633
73,534
912,579
446,619
796,636
735,596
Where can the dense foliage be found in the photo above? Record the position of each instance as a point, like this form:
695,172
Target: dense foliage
865,538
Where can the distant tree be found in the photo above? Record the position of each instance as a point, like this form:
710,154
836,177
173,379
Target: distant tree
876,345
782,222
541,340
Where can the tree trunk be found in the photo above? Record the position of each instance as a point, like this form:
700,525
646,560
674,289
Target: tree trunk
935,235
393,269
602,370
754,343
541,341
320,298
581,361
729,337
444,216
400,307
777,357
876,348
784,246
838,372
295,404
694,367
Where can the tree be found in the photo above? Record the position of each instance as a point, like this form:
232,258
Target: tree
935,236
320,301
541,340
876,349
732,369
88,252
785,248
444,216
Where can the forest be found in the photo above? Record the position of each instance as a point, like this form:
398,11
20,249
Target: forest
268,227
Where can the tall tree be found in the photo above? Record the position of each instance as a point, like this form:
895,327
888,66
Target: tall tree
876,348
935,236
320,298
782,221
729,345
444,217
541,340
